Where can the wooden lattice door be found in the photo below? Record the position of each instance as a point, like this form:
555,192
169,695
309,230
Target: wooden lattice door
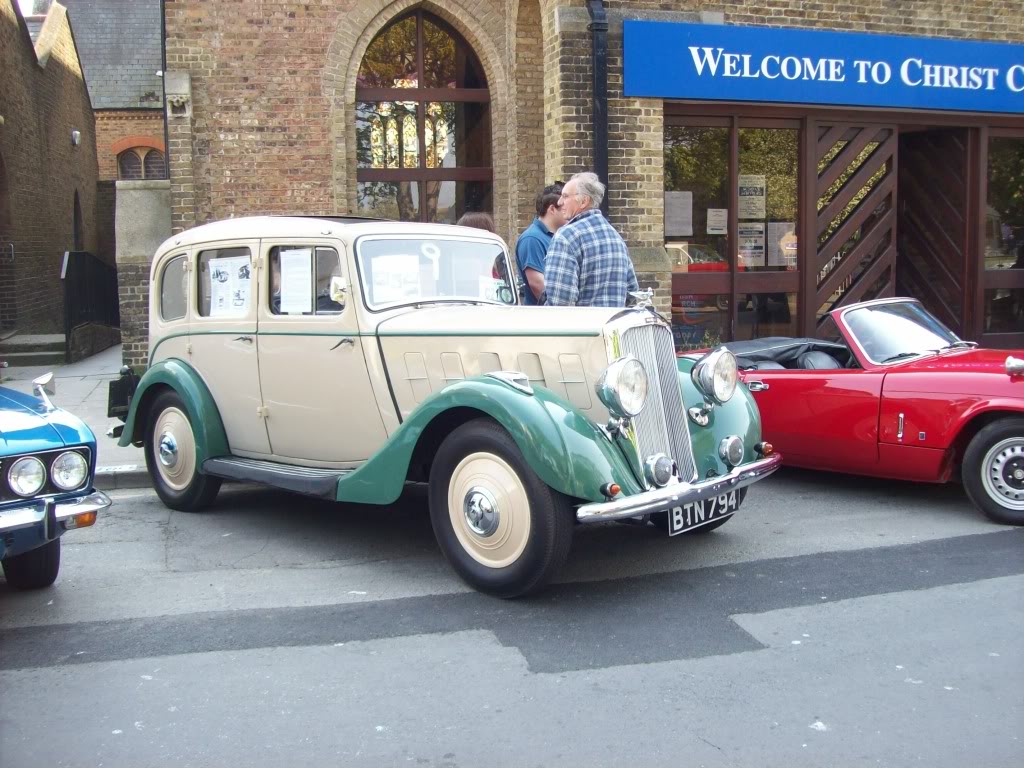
855,225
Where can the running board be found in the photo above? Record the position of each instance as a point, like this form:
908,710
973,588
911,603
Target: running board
308,480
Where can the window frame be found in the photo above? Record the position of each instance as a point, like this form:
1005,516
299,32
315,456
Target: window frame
314,314
185,283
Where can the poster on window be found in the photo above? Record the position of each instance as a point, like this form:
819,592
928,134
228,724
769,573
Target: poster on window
679,214
396,277
751,242
752,191
718,221
230,283
782,244
296,281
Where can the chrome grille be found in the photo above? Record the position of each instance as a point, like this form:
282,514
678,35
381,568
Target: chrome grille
661,426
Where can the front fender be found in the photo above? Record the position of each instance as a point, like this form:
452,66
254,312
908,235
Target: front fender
566,449
207,427
739,416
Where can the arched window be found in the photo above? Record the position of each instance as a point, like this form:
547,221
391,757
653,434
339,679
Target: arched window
141,163
423,124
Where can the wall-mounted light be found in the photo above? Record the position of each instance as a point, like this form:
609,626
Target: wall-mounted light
76,137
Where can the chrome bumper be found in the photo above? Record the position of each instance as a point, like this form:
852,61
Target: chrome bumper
50,513
660,499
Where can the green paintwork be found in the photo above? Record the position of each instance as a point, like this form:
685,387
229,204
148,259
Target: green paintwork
207,427
565,448
739,416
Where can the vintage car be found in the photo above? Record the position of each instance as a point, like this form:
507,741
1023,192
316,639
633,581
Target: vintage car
48,459
889,391
342,358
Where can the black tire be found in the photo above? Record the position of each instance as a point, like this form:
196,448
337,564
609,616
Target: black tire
991,459
181,486
34,569
534,520
660,520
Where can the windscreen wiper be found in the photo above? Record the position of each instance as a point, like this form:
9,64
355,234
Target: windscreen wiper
900,356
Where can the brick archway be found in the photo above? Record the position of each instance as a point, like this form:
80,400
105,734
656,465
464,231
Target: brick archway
355,32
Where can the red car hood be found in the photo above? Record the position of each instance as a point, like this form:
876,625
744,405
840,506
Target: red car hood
970,372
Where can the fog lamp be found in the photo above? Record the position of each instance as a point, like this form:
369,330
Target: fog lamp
731,450
658,469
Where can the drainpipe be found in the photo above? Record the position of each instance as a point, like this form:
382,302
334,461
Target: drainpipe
163,83
599,97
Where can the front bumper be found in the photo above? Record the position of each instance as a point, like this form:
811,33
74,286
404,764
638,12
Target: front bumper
38,521
660,499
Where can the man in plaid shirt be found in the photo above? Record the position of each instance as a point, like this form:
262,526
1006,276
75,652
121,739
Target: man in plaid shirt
587,264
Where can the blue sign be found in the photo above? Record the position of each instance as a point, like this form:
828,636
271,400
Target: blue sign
729,63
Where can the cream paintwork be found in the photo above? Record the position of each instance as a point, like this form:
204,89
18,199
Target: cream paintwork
319,397
313,377
169,332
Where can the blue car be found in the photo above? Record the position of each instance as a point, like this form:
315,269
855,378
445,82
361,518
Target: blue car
47,465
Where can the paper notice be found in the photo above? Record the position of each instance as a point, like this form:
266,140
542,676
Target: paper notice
782,244
752,191
230,283
396,277
751,244
296,281
718,221
679,214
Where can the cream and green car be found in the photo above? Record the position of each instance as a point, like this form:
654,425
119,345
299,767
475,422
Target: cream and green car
343,358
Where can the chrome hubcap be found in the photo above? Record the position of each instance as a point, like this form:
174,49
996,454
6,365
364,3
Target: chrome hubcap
481,510
1003,473
168,450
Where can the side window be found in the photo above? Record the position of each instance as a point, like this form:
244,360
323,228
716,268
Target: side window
225,282
300,280
173,289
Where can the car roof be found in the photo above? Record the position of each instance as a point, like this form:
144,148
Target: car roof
347,227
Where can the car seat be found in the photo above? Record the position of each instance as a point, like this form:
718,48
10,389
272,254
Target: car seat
768,365
816,360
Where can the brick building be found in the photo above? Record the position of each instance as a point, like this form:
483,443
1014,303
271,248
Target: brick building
424,110
48,167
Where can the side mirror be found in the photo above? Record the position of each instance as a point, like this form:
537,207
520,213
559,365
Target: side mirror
338,289
43,386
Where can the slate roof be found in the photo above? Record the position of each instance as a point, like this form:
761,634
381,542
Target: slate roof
118,43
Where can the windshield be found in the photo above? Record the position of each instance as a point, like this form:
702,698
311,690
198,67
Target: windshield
888,332
414,270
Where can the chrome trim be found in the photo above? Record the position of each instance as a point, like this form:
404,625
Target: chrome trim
515,379
701,416
43,386
708,363
726,446
660,499
1014,365
92,502
651,471
899,428
607,387
13,518
757,386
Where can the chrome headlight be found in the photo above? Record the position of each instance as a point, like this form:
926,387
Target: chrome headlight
623,387
716,374
69,471
27,476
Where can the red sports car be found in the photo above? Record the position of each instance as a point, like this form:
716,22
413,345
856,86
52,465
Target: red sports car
894,393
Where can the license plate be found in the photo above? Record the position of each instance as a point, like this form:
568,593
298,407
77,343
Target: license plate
698,513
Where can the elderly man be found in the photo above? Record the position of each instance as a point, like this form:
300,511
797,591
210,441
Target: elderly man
587,264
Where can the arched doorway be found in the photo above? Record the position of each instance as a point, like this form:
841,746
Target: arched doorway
423,124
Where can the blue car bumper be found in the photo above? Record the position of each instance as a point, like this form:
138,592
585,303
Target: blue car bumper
35,522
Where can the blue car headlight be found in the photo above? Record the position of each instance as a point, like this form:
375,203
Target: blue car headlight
27,476
69,471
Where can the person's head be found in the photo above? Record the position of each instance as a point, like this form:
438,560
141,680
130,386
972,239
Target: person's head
476,219
549,209
581,193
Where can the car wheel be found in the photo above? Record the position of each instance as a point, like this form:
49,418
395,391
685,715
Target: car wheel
502,529
993,471
660,520
34,569
171,457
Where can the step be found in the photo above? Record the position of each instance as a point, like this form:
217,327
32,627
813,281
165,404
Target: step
33,342
20,359
312,481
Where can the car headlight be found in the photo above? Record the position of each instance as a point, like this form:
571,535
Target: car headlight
27,476
716,374
623,387
69,471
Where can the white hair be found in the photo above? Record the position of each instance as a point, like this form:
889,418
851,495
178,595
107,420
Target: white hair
588,184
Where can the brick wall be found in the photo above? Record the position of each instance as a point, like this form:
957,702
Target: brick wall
133,287
43,99
114,126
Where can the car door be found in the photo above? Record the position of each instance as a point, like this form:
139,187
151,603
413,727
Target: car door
825,419
222,339
320,404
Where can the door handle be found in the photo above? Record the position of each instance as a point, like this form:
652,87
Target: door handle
344,341
246,339
757,386
899,428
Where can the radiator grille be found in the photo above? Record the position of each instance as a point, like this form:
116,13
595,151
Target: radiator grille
661,427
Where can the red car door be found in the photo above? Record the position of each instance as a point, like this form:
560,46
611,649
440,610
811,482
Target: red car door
824,419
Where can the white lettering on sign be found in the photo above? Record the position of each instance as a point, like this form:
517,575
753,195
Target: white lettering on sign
915,72
1015,78
769,67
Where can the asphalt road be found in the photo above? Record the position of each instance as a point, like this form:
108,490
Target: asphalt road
835,621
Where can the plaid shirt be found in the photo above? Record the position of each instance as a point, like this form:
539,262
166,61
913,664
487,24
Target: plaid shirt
588,264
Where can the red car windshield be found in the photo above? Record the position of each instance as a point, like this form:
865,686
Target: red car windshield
897,330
